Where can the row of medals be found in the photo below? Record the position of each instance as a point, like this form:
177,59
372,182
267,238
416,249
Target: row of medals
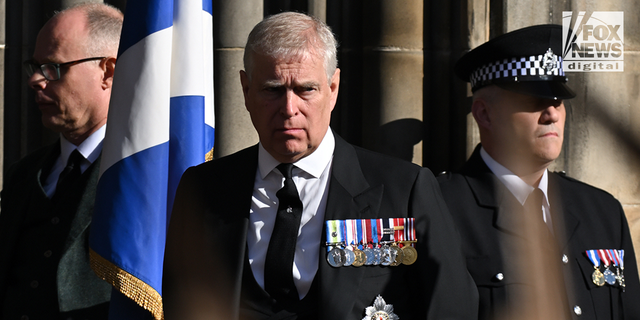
384,254
609,277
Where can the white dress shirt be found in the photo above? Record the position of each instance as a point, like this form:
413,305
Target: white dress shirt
520,189
311,176
90,149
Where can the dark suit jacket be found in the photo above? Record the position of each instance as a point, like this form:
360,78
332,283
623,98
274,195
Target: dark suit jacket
77,286
206,242
584,218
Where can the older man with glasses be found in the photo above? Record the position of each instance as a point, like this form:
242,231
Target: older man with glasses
48,196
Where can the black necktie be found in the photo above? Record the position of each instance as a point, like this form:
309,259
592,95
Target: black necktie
533,209
70,173
278,277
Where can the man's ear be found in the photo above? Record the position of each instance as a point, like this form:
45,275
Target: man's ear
480,110
244,81
108,66
334,86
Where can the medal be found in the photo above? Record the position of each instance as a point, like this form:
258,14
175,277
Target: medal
597,277
369,256
386,258
361,258
380,311
336,257
387,237
349,257
398,236
335,239
351,234
367,230
376,233
409,252
397,254
609,277
409,255
620,256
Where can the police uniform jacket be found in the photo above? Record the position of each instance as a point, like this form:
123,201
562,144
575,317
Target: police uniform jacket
206,244
584,218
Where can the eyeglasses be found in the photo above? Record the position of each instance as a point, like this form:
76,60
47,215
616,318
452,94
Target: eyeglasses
51,71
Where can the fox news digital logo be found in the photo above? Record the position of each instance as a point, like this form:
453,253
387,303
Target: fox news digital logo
593,42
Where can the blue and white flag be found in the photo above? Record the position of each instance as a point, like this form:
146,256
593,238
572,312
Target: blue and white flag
160,123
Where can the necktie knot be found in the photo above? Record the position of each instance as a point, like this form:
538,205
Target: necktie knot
534,201
70,173
286,169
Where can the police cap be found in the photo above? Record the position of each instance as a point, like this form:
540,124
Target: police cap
526,61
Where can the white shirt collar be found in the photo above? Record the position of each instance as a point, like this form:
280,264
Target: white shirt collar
313,164
516,186
90,148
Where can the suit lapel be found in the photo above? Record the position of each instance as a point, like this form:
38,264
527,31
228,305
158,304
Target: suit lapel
350,197
491,193
565,220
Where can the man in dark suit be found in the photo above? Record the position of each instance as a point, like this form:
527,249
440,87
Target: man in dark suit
48,196
253,237
538,244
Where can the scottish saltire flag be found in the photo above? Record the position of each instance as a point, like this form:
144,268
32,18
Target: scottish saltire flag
160,123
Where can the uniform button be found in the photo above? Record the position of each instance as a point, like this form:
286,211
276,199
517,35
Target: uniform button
577,310
55,220
34,284
47,254
289,210
499,276
565,259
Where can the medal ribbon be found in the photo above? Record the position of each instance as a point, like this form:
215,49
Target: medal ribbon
604,258
621,258
410,231
387,230
375,232
399,234
366,231
335,229
352,232
359,233
612,256
594,257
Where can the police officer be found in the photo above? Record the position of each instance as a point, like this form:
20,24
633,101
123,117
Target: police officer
538,244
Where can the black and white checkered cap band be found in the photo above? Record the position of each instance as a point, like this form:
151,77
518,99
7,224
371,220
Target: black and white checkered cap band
518,69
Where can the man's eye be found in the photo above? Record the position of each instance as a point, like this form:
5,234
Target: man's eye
273,89
306,89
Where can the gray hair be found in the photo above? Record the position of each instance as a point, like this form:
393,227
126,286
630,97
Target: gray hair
105,25
291,34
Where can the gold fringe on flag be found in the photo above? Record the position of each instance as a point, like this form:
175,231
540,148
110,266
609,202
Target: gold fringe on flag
135,289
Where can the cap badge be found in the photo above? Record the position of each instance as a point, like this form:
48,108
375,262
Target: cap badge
380,311
549,61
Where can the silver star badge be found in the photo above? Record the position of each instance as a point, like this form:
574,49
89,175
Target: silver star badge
549,61
380,311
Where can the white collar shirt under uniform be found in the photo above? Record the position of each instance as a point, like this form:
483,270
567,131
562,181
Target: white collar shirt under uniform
90,149
311,176
520,189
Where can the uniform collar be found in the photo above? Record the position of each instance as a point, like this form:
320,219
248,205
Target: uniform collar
516,186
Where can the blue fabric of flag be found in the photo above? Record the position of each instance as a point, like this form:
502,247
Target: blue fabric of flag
160,123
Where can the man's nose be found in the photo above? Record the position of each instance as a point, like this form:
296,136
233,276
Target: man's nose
291,102
37,81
